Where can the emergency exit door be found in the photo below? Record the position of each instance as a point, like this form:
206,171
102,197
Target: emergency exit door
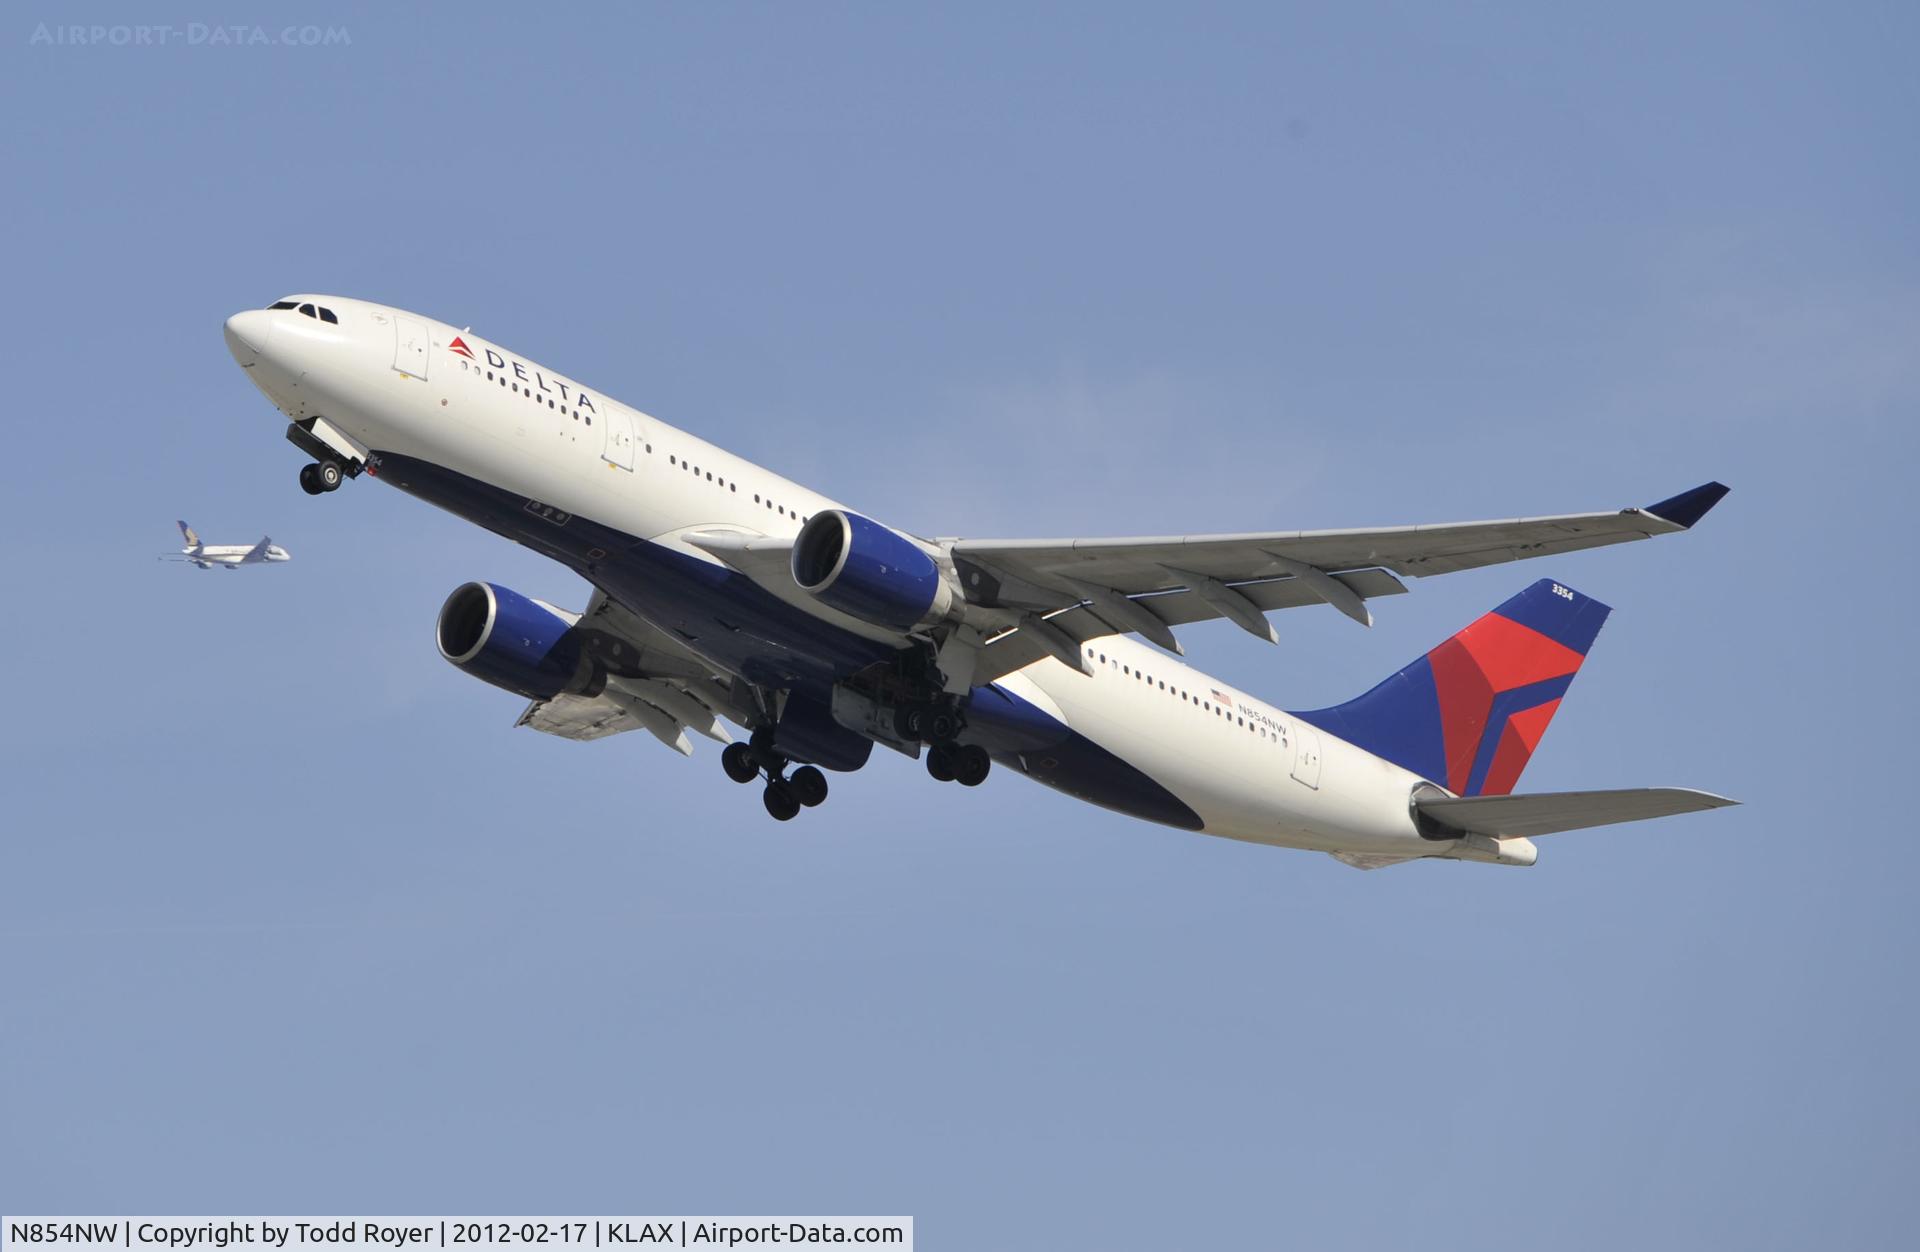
619,449
1306,755
410,346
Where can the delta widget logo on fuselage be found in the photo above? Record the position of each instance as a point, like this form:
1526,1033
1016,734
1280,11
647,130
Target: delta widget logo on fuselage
566,392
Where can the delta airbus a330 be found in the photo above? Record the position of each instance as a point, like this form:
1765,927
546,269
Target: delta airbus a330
725,593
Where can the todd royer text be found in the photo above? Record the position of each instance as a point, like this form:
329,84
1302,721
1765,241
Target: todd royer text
376,1233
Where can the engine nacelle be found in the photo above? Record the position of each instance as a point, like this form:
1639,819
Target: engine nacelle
865,570
501,637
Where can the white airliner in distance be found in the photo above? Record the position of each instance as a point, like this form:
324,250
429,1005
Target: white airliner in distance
227,556
725,593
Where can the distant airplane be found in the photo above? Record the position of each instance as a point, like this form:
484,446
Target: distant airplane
232,556
727,593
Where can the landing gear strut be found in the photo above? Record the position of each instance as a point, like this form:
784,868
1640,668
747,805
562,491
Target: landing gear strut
784,796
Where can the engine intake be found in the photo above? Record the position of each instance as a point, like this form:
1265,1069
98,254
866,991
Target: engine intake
866,570
517,644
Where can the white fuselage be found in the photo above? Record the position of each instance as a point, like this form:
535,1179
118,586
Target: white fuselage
394,382
232,555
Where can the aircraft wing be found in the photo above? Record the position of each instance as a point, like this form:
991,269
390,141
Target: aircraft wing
652,683
258,552
1079,589
1032,598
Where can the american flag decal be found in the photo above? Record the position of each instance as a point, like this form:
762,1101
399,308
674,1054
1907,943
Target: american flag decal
1221,697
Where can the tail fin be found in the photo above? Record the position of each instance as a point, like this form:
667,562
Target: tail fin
186,532
1469,714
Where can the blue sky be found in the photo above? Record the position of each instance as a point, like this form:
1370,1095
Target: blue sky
295,921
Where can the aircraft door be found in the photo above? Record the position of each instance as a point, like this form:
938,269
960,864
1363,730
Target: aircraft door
410,346
1306,755
619,449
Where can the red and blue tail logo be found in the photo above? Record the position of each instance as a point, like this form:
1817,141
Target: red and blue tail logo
1469,714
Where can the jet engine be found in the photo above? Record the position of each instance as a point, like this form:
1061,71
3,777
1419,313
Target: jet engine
866,570
502,637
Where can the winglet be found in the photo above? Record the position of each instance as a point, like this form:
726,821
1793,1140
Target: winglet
1689,506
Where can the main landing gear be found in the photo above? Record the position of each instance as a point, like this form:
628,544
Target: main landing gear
939,725
322,477
785,795
965,763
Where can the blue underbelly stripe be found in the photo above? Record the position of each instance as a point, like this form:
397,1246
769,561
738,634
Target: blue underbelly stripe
740,624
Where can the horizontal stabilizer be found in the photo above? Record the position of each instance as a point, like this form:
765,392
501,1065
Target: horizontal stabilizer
1507,817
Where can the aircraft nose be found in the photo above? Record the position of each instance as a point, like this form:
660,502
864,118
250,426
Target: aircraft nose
247,335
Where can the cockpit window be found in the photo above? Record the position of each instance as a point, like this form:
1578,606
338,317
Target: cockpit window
310,310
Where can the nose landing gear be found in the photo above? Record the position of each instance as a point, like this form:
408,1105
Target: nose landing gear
321,477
